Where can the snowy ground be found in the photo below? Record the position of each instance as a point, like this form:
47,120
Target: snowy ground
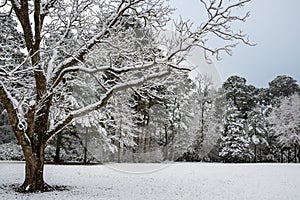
199,181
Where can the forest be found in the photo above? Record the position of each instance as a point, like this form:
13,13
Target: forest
190,121
96,81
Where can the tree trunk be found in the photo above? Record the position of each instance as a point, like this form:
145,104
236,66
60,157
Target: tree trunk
298,153
119,151
260,152
172,149
255,153
165,148
85,146
295,153
34,171
281,156
58,146
119,142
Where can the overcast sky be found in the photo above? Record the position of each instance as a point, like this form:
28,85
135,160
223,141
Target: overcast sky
274,25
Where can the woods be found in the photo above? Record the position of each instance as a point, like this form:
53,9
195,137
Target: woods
99,47
94,81
188,122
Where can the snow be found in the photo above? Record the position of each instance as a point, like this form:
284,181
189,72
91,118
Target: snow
161,181
51,65
17,4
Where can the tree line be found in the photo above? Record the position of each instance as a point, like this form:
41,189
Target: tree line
87,69
188,121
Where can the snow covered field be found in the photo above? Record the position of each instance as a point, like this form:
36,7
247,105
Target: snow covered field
199,181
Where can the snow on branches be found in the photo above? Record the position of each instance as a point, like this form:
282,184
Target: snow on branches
285,121
97,45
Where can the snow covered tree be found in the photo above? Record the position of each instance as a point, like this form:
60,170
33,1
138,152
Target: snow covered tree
203,123
121,125
235,142
164,118
114,41
285,121
257,131
214,127
240,102
5,129
178,111
11,43
240,94
282,86
269,99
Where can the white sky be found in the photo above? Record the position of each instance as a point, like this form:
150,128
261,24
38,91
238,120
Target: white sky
274,25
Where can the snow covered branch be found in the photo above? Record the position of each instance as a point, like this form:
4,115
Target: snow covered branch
79,53
9,103
218,26
15,114
102,102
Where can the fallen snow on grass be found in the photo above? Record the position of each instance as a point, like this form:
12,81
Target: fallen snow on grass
161,181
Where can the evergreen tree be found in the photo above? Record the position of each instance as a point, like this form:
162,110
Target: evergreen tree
240,102
240,94
257,132
11,44
282,86
5,129
235,142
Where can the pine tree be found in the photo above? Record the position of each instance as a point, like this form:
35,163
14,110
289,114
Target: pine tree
282,86
241,94
11,44
235,142
257,131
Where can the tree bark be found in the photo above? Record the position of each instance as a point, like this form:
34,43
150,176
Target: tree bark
85,146
281,156
295,153
255,153
58,146
34,170
298,153
260,152
166,144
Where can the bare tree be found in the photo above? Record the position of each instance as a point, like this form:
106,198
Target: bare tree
106,45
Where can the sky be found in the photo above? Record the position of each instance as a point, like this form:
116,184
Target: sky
274,25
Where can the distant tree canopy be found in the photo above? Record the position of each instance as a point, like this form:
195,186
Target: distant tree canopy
282,86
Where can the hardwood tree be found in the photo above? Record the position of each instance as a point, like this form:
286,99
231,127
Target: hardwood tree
65,39
285,122
281,87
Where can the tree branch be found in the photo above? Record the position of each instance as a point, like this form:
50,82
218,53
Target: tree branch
37,23
79,56
14,115
101,103
219,18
